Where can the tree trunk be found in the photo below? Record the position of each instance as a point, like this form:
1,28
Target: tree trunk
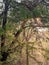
3,53
27,58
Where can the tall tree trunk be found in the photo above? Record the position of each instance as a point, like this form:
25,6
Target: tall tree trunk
3,53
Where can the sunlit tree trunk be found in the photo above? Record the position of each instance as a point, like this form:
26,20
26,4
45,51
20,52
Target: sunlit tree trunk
27,58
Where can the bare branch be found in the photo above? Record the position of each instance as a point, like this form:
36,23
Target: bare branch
31,5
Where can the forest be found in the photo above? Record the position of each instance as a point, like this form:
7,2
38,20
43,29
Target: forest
24,32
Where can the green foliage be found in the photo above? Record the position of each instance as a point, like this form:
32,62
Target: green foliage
17,14
1,31
22,13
